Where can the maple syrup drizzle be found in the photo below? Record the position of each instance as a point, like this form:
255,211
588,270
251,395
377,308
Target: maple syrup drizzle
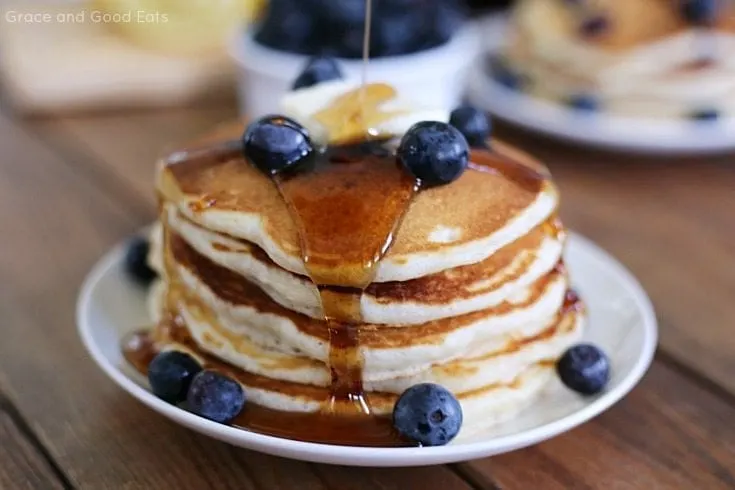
343,238
341,252
355,115
366,43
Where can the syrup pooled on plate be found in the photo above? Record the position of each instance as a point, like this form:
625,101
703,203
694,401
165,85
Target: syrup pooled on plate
140,348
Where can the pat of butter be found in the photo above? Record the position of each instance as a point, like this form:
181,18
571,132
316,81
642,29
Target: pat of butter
339,112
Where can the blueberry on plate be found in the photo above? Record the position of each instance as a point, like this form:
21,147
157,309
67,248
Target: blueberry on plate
504,74
700,12
136,261
318,69
595,25
705,115
427,414
276,143
584,368
584,103
434,152
170,374
215,397
473,123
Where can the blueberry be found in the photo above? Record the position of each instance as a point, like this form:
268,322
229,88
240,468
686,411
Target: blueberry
504,74
287,27
434,152
700,12
584,368
395,34
473,123
584,102
350,12
170,374
276,143
705,115
136,261
427,414
215,397
318,69
436,22
446,17
594,26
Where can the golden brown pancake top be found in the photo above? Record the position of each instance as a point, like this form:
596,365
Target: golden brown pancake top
480,202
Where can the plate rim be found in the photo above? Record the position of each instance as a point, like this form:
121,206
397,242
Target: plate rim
555,120
383,457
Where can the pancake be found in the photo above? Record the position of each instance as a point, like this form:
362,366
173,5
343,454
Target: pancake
445,294
503,196
328,291
471,379
646,61
222,306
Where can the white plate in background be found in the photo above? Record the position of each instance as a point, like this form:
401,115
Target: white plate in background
647,135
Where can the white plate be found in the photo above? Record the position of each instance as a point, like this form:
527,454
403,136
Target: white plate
646,135
622,322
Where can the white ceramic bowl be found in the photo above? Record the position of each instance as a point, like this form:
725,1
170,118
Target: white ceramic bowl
436,76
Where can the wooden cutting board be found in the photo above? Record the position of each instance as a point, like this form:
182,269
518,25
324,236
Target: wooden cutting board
58,66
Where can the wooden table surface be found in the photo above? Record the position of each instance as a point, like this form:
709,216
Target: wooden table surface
70,188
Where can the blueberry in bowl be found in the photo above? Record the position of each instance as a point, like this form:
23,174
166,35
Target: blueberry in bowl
399,26
317,70
418,46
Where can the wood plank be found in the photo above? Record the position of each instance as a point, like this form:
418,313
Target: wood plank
668,433
22,464
62,220
347,478
123,149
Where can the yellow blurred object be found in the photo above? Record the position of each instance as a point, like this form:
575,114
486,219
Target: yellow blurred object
67,66
178,26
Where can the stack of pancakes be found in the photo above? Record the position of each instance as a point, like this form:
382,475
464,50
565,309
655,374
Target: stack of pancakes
638,57
471,295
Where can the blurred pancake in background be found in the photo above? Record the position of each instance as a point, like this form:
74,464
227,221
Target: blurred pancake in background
643,58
